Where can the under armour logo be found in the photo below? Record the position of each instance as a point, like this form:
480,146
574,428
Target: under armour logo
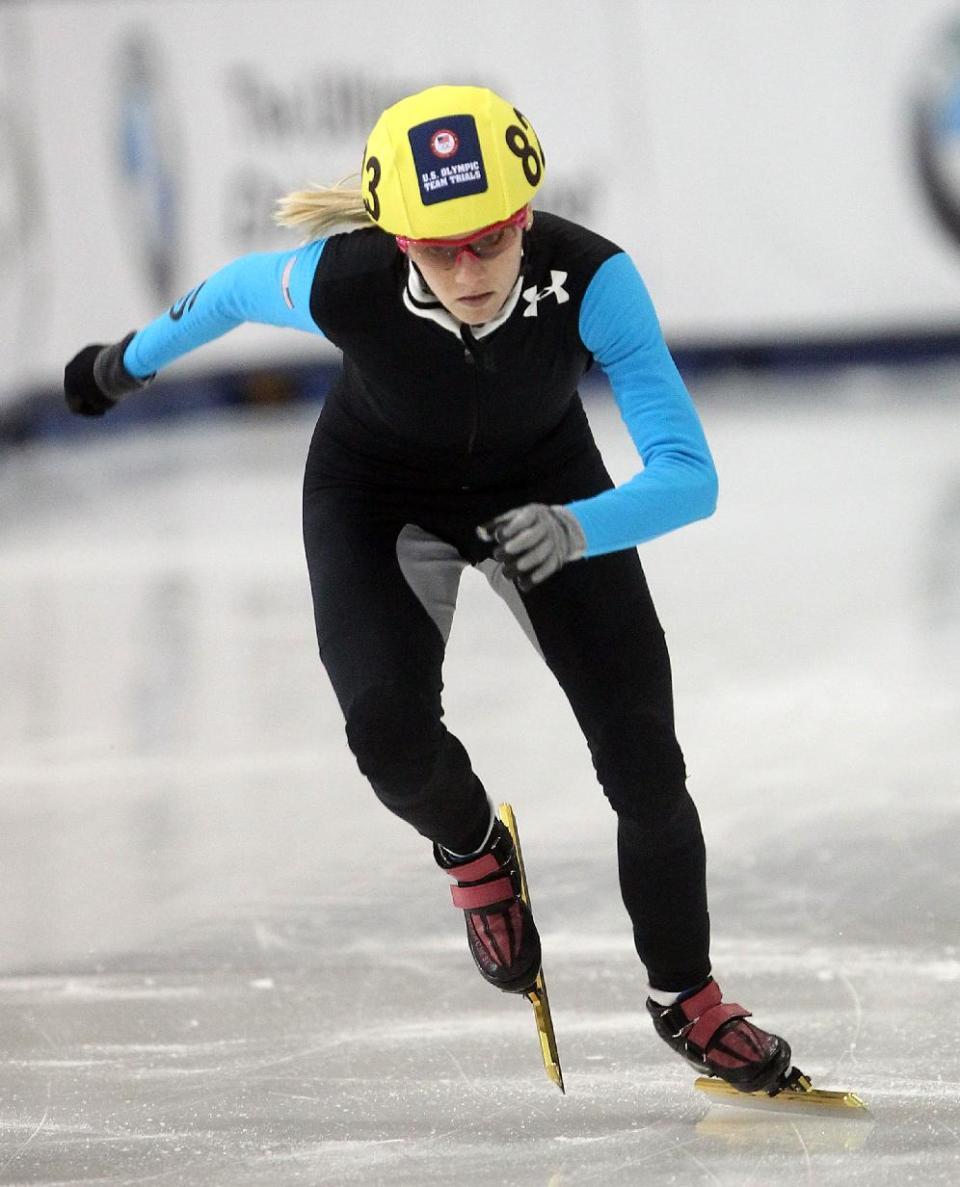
554,288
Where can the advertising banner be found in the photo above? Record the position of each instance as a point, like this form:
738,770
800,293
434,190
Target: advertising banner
778,171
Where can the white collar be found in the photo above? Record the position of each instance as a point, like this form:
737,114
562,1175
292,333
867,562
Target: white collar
420,300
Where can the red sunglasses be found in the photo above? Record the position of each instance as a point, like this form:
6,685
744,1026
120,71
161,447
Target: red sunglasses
485,244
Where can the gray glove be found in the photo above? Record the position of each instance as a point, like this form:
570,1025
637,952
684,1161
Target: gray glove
534,541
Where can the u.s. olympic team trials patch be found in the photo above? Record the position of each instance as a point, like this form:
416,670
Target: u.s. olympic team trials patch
447,155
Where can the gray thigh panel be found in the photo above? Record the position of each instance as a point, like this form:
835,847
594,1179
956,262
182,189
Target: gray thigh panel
432,568
493,571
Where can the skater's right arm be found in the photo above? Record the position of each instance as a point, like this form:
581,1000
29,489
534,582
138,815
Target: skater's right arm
272,288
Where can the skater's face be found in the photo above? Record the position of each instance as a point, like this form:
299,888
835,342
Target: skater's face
472,280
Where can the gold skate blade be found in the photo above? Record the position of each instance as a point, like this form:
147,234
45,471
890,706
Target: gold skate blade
537,996
800,1097
507,817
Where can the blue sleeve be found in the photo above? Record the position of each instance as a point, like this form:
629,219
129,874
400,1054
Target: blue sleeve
268,287
678,482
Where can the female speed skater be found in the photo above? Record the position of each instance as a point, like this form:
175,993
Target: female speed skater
455,436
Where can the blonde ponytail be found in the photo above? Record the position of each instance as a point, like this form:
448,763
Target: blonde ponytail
319,208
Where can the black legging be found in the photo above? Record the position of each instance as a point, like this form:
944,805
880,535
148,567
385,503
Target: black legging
598,631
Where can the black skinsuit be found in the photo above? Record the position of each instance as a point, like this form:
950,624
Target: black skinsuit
425,436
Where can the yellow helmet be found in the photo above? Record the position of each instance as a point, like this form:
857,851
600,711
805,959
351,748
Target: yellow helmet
449,160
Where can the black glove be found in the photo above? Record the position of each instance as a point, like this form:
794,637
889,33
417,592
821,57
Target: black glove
95,379
534,541
83,396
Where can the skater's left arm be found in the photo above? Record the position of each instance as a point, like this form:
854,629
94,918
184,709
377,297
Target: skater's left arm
678,482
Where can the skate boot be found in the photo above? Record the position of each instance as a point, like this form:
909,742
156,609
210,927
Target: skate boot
712,1035
501,934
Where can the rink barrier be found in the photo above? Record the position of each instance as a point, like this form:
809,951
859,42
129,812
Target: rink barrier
775,170
42,414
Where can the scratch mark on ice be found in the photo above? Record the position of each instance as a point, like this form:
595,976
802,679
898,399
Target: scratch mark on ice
806,1152
24,1145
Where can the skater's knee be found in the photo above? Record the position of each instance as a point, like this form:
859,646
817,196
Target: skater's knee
666,821
654,808
395,734
640,766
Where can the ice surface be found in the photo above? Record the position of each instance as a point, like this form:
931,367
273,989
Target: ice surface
221,961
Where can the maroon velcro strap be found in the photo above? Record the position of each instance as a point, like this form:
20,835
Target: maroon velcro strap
468,898
710,1021
479,867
